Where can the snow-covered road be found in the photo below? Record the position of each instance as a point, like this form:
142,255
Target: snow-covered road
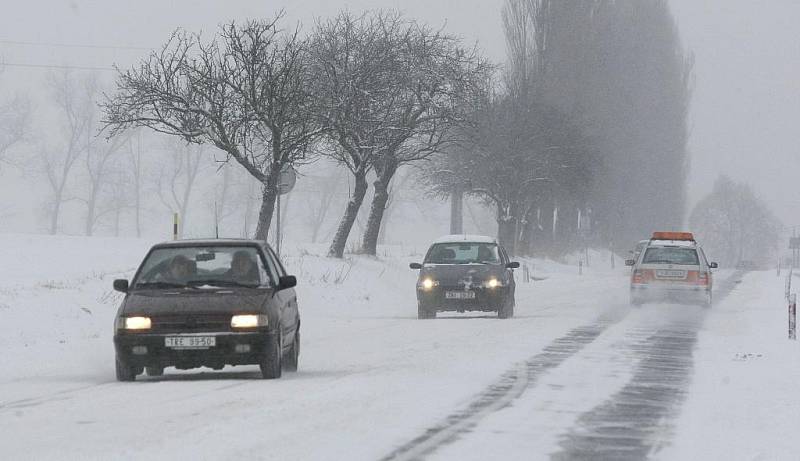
576,374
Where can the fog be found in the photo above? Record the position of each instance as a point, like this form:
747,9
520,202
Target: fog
745,105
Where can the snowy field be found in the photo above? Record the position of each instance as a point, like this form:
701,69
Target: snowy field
576,374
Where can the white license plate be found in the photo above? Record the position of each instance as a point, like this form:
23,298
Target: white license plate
670,274
190,342
459,294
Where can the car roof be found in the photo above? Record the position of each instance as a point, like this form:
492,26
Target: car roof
208,242
457,238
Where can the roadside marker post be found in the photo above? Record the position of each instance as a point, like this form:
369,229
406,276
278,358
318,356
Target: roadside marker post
175,226
793,317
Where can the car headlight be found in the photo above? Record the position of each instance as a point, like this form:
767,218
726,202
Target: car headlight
249,321
428,284
493,283
134,323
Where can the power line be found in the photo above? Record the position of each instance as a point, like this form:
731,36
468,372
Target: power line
74,45
53,66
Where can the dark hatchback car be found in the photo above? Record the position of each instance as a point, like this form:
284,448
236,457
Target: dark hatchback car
207,303
465,273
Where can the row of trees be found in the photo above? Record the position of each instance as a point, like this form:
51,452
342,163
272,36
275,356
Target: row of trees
734,224
581,135
374,92
589,119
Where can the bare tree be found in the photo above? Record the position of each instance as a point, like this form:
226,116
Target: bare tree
437,82
319,202
245,92
136,168
176,179
734,224
98,160
14,122
72,98
386,87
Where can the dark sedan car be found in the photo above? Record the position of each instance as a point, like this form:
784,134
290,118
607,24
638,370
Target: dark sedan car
465,273
207,303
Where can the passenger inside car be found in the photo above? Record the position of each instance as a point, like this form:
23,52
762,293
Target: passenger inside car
243,268
180,269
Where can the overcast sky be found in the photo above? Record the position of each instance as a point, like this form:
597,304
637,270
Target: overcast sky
746,105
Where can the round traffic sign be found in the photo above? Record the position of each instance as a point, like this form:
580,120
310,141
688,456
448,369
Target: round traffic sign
287,180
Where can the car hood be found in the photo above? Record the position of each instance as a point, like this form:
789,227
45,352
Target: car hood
162,302
462,274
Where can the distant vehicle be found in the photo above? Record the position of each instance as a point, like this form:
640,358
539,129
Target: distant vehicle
637,250
207,303
465,273
672,268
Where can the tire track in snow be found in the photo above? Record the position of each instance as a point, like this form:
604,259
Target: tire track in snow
636,421
510,386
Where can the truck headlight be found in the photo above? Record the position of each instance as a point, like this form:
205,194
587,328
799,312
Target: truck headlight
135,323
249,321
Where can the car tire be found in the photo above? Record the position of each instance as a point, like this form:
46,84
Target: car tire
270,363
154,371
125,372
291,360
506,310
424,312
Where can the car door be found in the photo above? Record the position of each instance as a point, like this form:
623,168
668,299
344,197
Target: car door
286,299
504,260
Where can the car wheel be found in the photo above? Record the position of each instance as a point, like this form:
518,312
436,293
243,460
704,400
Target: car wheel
424,312
271,360
154,371
291,359
125,372
506,310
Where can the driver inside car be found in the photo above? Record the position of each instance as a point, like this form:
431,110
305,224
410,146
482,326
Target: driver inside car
179,269
243,268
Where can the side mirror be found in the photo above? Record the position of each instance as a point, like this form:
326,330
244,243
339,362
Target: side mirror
713,265
630,262
287,281
512,265
415,266
121,285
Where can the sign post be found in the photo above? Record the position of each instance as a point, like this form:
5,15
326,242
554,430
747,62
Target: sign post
793,317
285,185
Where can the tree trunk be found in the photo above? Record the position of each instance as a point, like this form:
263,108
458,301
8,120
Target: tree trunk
506,231
350,214
54,215
91,207
376,212
268,195
457,211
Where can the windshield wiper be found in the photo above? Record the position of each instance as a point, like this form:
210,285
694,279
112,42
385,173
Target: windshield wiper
160,285
222,283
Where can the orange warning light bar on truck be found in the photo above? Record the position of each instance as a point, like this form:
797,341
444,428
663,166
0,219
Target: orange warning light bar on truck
688,236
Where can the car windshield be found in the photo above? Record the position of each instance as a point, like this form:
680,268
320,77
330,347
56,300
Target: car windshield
463,253
671,255
183,267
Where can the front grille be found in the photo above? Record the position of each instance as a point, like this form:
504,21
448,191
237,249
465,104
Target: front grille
191,323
